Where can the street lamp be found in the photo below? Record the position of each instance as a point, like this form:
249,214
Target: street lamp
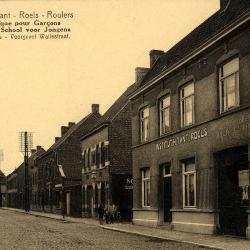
25,146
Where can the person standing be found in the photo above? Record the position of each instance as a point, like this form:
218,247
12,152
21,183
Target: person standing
100,213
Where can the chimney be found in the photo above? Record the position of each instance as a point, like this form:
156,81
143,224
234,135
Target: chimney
64,129
139,74
224,4
57,138
33,151
154,55
70,124
95,108
38,148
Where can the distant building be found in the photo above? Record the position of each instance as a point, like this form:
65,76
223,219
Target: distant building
16,182
59,169
190,123
107,160
3,189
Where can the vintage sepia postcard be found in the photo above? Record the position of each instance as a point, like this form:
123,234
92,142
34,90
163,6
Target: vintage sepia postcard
124,124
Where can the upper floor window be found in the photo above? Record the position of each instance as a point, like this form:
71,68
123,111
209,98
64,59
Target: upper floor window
229,85
164,107
187,104
144,124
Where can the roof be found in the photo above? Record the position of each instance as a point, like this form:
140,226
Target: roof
70,131
115,108
30,160
209,28
1,173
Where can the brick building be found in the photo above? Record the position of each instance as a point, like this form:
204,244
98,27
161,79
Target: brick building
107,160
16,182
59,168
190,123
3,189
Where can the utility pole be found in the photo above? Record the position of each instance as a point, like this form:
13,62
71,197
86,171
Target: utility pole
26,144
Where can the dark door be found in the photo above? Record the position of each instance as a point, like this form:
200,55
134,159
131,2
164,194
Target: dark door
233,190
167,199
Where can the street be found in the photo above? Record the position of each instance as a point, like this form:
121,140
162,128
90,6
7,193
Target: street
23,231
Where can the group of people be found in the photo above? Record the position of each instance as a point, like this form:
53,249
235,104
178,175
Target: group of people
108,212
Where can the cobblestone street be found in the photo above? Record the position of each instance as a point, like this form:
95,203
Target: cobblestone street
22,231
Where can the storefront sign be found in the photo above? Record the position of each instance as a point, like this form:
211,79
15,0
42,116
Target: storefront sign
129,183
191,136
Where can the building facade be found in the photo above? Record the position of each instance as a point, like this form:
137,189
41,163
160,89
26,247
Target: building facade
59,169
107,161
190,123
16,182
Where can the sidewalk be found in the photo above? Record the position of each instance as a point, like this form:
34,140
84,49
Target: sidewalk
209,241
202,240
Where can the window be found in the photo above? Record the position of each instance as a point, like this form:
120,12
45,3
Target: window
166,168
164,110
144,120
106,153
145,187
189,183
229,85
187,104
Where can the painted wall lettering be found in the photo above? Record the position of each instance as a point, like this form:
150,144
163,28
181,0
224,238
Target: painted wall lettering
191,136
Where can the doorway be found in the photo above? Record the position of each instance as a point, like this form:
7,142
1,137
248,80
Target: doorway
167,191
233,190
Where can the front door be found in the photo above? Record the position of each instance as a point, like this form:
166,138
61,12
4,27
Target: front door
233,184
167,192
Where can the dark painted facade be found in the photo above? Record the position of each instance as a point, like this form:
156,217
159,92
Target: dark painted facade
190,123
107,160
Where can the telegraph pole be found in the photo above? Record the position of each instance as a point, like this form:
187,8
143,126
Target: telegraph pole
26,144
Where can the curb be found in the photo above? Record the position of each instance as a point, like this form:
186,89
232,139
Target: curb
66,218
161,238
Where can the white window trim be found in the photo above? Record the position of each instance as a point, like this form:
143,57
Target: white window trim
142,121
237,83
143,191
181,102
167,175
183,186
160,111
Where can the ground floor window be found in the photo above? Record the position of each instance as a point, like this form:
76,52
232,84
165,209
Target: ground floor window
145,187
189,182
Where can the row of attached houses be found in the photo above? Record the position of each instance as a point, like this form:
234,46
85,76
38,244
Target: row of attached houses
178,138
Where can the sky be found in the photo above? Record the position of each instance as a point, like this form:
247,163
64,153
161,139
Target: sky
46,84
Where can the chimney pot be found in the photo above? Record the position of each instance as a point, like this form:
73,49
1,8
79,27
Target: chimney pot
57,138
154,55
95,108
140,73
38,148
64,129
33,151
70,124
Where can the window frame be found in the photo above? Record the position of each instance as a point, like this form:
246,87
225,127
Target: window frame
143,136
188,173
182,102
224,108
161,110
145,183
